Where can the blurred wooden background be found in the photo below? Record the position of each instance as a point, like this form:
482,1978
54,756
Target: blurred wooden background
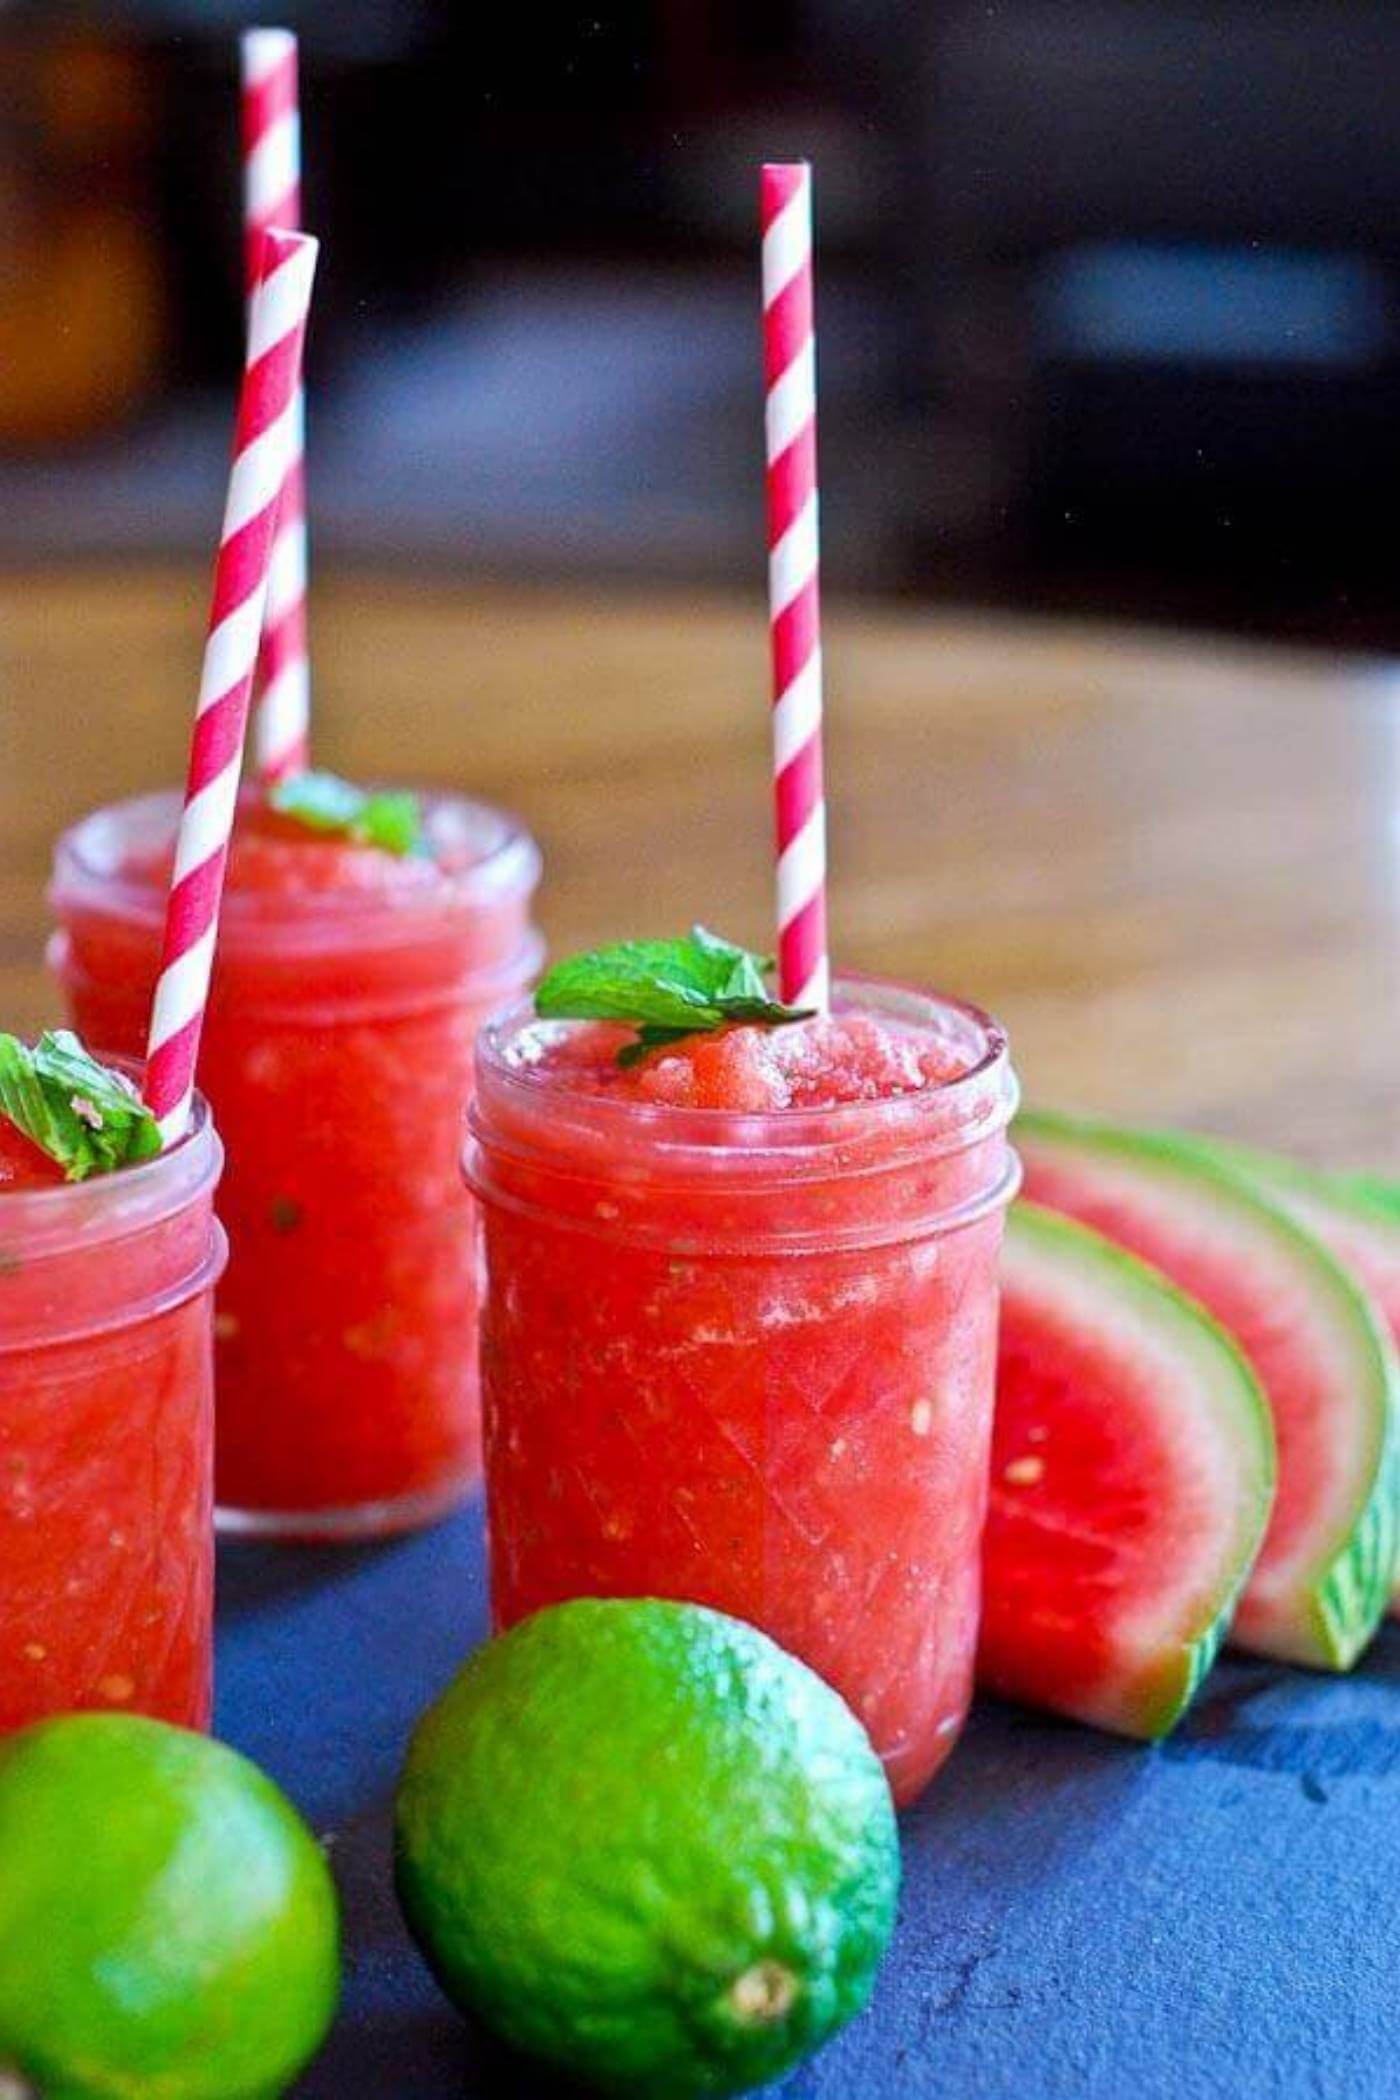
1172,868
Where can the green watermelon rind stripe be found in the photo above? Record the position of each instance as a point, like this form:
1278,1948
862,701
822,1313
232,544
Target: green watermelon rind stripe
1235,1382
1199,1661
1342,1596
1372,1196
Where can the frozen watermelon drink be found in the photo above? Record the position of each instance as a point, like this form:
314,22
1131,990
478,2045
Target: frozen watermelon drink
739,1329
740,1324
108,1256
363,938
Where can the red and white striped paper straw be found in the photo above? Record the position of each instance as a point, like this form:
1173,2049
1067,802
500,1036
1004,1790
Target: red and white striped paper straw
263,437
272,197
790,418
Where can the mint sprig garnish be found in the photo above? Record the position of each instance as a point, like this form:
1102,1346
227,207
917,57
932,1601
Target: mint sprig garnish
391,820
666,990
87,1118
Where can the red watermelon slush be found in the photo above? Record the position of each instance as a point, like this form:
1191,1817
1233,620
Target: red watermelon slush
106,1433
739,1333
348,989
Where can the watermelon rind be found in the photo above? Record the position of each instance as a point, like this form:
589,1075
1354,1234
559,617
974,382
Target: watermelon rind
1340,1591
1148,1692
1377,1196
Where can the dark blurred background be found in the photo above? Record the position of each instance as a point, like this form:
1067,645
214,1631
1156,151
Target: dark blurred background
1107,290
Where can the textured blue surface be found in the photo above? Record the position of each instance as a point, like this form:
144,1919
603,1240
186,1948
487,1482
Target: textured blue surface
1082,1920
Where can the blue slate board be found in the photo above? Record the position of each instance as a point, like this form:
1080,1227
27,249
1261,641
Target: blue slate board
1215,1919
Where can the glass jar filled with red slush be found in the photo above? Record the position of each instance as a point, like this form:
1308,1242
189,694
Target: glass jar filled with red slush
739,1333
348,989
106,1433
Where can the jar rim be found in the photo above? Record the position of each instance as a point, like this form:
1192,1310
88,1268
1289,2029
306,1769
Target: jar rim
672,1129
106,1207
690,1181
87,867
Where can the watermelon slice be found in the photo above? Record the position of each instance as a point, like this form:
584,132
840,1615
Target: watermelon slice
1132,1478
1350,1215
1316,1342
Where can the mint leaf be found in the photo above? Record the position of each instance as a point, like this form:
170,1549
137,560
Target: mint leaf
91,1120
667,990
324,802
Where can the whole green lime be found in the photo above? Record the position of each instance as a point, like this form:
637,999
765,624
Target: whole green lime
168,1924
643,1842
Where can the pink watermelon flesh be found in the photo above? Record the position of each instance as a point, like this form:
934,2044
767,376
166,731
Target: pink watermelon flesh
1132,1472
1322,1392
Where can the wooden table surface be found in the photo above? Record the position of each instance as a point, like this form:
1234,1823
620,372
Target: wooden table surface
1171,865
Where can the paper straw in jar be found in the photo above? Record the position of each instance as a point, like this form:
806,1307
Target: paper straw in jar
271,125
263,435
790,419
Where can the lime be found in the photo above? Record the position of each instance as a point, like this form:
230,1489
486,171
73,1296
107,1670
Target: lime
168,1925
642,1841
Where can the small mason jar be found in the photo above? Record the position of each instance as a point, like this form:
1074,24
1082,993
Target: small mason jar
748,1359
106,1439
337,1054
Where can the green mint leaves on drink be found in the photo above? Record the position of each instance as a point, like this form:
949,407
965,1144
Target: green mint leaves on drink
666,990
391,820
87,1118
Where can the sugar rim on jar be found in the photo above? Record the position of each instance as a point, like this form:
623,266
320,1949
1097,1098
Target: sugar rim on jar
89,856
